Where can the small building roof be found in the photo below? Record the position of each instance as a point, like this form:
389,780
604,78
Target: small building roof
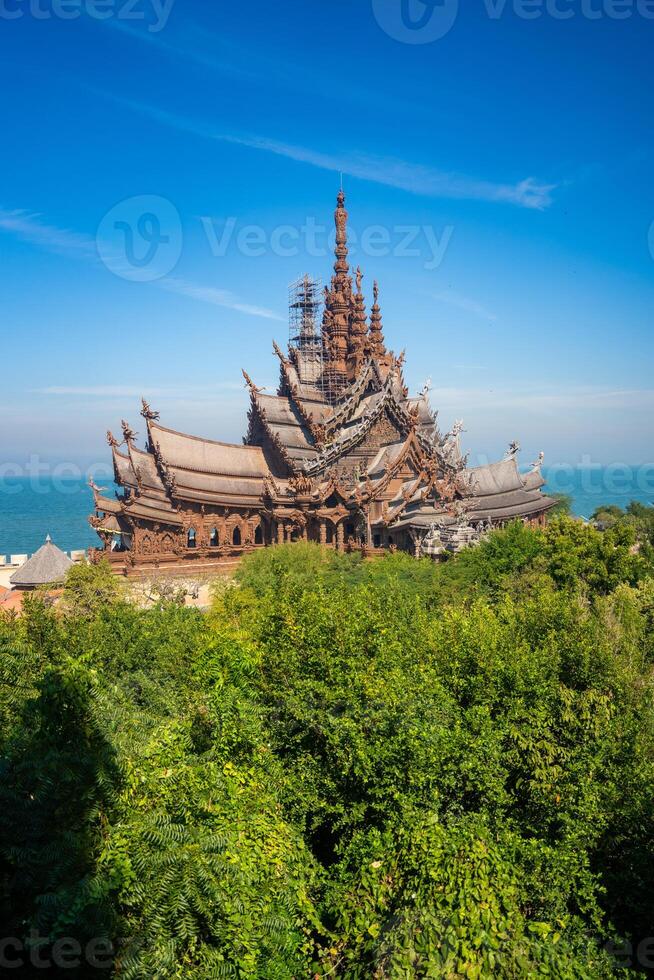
48,564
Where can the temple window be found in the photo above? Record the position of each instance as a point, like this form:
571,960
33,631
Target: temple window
377,540
330,534
236,536
213,538
258,535
191,538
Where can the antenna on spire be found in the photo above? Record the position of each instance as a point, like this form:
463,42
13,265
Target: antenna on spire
341,173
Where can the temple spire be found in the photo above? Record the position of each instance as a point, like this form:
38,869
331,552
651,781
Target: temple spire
376,337
341,267
338,310
358,326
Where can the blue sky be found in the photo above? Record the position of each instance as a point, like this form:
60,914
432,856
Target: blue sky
498,180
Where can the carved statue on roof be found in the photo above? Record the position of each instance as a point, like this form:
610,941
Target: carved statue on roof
111,439
426,388
536,465
340,218
301,484
170,483
455,431
513,450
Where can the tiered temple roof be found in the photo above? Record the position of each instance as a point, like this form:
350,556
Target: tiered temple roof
341,454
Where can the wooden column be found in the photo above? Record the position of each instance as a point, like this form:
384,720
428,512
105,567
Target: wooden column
323,531
280,532
340,537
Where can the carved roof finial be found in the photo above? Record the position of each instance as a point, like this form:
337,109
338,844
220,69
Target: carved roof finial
250,383
111,439
147,412
129,435
278,351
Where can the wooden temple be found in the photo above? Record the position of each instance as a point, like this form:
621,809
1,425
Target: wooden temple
341,455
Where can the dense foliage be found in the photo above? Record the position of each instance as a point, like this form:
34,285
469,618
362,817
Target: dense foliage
360,769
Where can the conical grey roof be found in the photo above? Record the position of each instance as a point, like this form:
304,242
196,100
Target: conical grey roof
48,564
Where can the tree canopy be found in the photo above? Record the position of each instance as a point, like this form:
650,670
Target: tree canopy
346,768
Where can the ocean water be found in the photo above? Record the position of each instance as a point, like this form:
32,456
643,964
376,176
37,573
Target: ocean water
31,508
590,487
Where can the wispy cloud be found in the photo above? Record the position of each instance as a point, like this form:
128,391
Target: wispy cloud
219,297
546,400
133,391
29,226
187,52
221,54
415,178
465,303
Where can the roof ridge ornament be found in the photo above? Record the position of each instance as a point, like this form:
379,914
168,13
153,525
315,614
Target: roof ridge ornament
129,436
513,450
278,351
148,414
250,383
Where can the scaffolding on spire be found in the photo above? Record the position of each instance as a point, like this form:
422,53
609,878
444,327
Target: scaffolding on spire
304,310
306,343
